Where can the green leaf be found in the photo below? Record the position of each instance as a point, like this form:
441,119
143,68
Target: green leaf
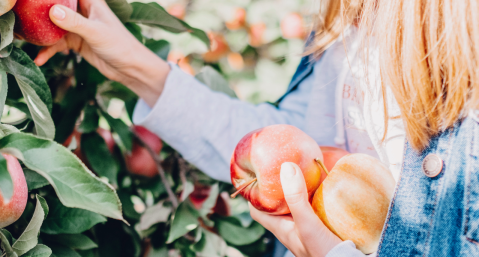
29,238
188,188
185,220
7,235
34,89
121,8
215,81
75,241
64,220
160,47
62,251
153,215
210,202
234,233
6,182
39,251
7,21
5,52
162,252
98,155
19,105
6,130
3,90
135,30
75,185
34,180
152,14
210,245
121,129
90,119
5,243
128,206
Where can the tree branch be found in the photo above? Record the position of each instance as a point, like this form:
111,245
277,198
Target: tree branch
161,171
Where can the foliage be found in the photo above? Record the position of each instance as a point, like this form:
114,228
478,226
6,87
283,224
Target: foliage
84,202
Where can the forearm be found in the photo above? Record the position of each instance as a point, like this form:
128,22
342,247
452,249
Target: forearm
146,76
205,126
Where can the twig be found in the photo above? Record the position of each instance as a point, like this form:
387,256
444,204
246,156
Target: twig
161,171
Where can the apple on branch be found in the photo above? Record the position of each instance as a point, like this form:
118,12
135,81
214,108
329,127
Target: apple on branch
256,164
12,210
139,161
33,24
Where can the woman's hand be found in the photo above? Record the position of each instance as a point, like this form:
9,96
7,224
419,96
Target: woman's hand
302,232
105,43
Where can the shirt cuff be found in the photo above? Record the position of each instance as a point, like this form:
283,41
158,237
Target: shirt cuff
347,249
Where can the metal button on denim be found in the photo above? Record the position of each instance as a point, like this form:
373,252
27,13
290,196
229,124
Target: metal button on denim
432,165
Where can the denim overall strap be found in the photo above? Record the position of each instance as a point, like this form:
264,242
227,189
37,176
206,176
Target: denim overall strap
428,216
305,68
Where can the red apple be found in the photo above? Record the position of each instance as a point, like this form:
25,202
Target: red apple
238,21
353,200
12,210
332,155
202,192
177,10
199,195
292,26
182,61
256,32
258,157
218,48
140,162
222,206
6,5
236,61
105,134
33,22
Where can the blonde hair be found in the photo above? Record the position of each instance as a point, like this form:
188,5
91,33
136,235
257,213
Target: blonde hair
333,18
429,53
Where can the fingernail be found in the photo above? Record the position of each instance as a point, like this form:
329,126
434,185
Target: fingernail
287,170
58,13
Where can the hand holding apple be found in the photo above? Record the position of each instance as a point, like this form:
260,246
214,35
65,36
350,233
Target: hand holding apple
257,159
302,232
94,34
353,200
12,210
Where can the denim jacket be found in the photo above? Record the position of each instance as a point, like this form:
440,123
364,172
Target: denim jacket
437,216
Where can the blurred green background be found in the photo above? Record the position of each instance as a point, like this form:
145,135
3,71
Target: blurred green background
256,45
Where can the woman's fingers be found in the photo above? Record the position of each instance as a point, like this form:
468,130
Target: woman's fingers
282,227
296,193
72,21
309,227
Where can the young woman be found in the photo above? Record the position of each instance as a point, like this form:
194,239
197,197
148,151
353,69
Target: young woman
429,52
324,98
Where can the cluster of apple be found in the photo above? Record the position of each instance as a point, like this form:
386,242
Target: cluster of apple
292,26
352,199
32,22
138,162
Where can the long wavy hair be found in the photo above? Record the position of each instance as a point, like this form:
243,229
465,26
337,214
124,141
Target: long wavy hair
429,53
331,21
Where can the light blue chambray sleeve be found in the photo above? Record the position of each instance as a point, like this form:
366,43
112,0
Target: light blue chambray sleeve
347,249
205,126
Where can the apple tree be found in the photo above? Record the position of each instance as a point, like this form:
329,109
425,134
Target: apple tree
61,121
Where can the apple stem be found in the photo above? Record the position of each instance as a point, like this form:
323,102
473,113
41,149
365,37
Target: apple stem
320,162
243,187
